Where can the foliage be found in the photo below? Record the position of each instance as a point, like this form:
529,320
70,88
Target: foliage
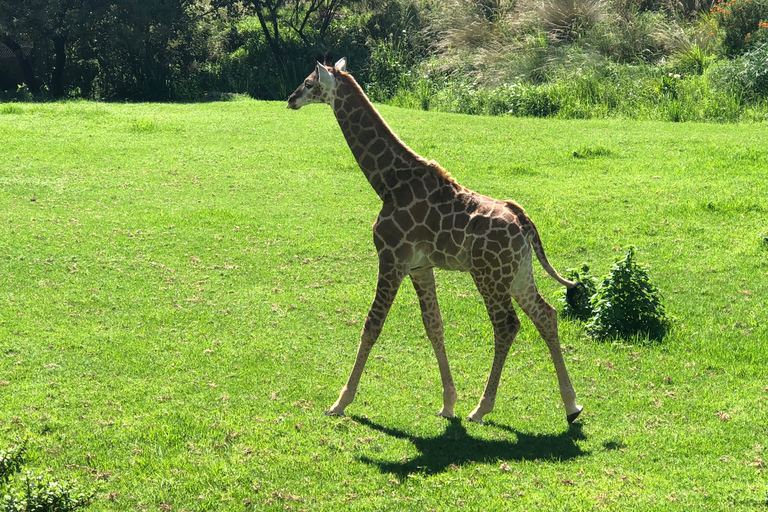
754,71
397,41
37,493
721,94
744,77
565,20
269,48
124,50
745,23
11,460
40,494
557,57
579,306
692,59
633,36
626,304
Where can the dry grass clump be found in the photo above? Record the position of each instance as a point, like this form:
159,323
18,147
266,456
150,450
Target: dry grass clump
499,41
562,20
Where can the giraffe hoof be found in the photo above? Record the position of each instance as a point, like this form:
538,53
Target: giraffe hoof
479,421
572,417
330,412
445,415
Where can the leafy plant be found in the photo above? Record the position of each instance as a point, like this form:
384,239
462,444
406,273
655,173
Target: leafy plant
42,495
745,23
745,76
11,460
36,493
692,59
566,20
755,68
627,304
577,302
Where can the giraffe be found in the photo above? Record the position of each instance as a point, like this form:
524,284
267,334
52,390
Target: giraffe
428,220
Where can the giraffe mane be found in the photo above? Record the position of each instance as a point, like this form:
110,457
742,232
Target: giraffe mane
430,165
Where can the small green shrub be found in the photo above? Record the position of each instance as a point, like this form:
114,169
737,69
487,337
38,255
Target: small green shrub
755,69
579,304
42,495
626,304
36,493
692,60
745,76
11,460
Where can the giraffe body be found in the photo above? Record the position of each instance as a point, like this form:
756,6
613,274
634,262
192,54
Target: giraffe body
429,221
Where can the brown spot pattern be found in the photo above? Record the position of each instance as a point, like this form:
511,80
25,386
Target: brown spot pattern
428,221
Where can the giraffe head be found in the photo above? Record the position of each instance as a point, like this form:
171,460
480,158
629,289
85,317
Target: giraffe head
319,87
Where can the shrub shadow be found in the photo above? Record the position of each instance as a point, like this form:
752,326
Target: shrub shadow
455,446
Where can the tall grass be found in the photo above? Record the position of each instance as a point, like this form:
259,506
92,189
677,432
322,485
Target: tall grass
725,92
584,59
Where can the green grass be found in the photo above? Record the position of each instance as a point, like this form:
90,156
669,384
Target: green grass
730,91
182,289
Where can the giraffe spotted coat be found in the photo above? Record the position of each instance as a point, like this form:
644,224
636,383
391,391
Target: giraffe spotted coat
429,221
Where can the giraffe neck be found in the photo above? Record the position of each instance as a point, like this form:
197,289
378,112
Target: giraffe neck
378,151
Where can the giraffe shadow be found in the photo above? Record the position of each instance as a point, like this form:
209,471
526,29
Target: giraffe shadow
455,446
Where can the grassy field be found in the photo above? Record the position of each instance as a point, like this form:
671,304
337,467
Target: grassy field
182,289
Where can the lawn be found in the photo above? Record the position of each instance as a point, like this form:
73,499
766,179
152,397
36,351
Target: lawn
182,289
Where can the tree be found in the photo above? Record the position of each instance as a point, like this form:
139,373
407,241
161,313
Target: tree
48,25
308,20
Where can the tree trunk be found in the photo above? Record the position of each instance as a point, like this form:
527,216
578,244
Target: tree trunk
57,77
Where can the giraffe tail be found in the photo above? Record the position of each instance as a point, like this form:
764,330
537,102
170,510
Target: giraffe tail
538,248
576,293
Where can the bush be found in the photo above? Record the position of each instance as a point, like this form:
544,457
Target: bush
744,77
579,304
42,495
754,70
36,493
10,461
745,23
626,304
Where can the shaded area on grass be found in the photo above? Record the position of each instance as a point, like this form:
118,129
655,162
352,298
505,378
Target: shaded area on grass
456,446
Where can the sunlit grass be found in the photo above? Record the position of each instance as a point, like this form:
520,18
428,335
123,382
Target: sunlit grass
182,289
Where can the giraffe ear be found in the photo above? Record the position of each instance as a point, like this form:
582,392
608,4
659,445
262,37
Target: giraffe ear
341,64
325,76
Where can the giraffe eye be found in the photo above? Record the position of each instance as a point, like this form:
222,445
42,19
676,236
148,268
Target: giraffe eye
309,84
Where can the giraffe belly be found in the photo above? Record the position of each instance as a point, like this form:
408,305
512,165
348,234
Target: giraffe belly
430,257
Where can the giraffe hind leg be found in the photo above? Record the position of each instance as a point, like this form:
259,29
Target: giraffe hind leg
506,325
544,317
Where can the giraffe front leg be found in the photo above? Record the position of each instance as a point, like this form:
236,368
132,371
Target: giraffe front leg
349,390
424,283
386,290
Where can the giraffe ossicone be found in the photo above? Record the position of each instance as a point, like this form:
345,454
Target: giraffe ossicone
429,221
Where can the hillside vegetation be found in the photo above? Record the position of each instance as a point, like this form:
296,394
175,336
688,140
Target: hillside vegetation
678,60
